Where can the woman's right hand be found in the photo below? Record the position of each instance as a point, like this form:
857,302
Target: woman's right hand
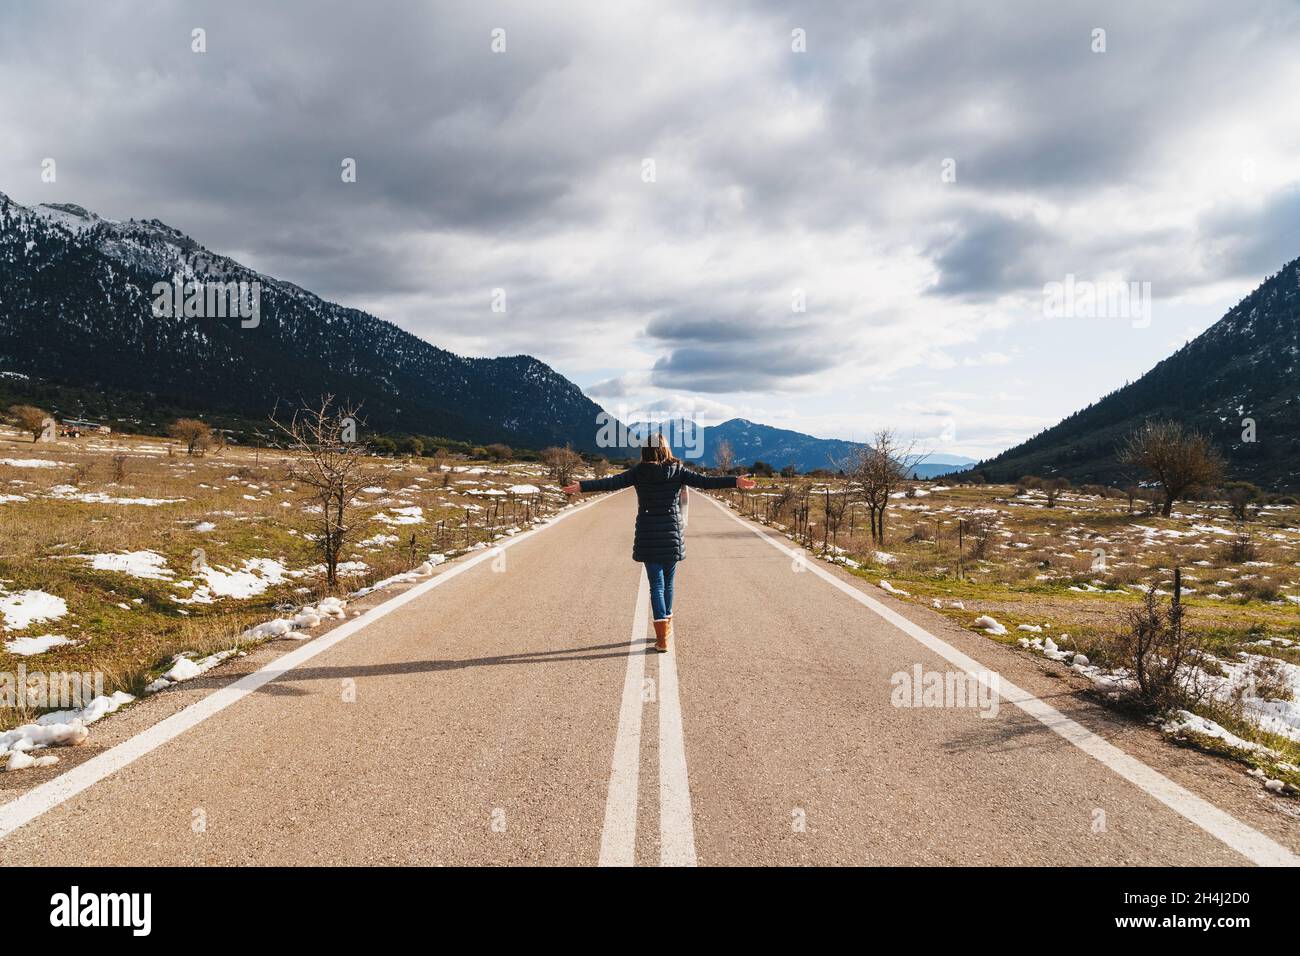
572,489
744,482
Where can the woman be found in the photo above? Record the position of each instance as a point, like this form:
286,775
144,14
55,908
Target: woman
659,480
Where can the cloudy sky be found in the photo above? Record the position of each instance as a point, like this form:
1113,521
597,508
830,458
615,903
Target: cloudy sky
659,187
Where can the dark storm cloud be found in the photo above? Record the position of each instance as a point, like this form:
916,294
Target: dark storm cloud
522,170
725,369
737,352
992,253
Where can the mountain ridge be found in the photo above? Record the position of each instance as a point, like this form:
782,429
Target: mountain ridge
76,311
1242,369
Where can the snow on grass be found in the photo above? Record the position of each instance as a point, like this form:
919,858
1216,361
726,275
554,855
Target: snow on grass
21,609
33,463
72,493
885,585
250,580
138,564
524,490
27,646
395,516
1183,722
989,625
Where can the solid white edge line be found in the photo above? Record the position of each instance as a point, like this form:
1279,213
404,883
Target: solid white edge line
618,836
676,826
1242,838
50,794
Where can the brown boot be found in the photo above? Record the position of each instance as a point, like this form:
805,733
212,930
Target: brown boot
661,636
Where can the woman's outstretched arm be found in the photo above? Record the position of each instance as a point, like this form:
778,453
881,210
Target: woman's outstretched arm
696,480
612,483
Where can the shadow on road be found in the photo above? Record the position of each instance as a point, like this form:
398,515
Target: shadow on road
279,685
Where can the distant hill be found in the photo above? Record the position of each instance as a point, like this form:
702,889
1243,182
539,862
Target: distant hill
779,447
1247,365
77,320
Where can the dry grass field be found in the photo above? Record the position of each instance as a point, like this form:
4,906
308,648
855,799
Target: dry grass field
119,553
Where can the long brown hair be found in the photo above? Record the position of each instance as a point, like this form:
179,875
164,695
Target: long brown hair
656,450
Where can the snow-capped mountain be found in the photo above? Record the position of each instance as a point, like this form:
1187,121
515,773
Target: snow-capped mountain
1239,380
78,311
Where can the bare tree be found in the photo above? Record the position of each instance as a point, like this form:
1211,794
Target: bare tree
196,435
561,463
725,456
876,471
330,465
1162,655
30,419
499,452
1179,460
1053,487
1240,495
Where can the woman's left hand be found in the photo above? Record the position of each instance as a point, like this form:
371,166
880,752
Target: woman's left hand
572,489
744,482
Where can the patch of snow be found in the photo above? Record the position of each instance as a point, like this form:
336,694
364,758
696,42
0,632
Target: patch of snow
137,564
27,646
21,609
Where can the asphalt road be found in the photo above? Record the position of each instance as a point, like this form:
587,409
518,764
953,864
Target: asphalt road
517,714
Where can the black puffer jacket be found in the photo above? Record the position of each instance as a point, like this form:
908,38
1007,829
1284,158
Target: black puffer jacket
659,538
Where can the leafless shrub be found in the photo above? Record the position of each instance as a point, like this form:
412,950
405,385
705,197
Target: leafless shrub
1053,488
330,466
1161,653
119,467
561,463
196,435
1241,495
1240,548
977,533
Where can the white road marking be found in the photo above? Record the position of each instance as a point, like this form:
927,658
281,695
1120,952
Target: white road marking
1242,838
50,794
676,826
618,837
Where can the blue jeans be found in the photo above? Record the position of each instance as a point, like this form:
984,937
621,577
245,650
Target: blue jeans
661,587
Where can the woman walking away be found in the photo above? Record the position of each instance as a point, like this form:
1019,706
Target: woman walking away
659,480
